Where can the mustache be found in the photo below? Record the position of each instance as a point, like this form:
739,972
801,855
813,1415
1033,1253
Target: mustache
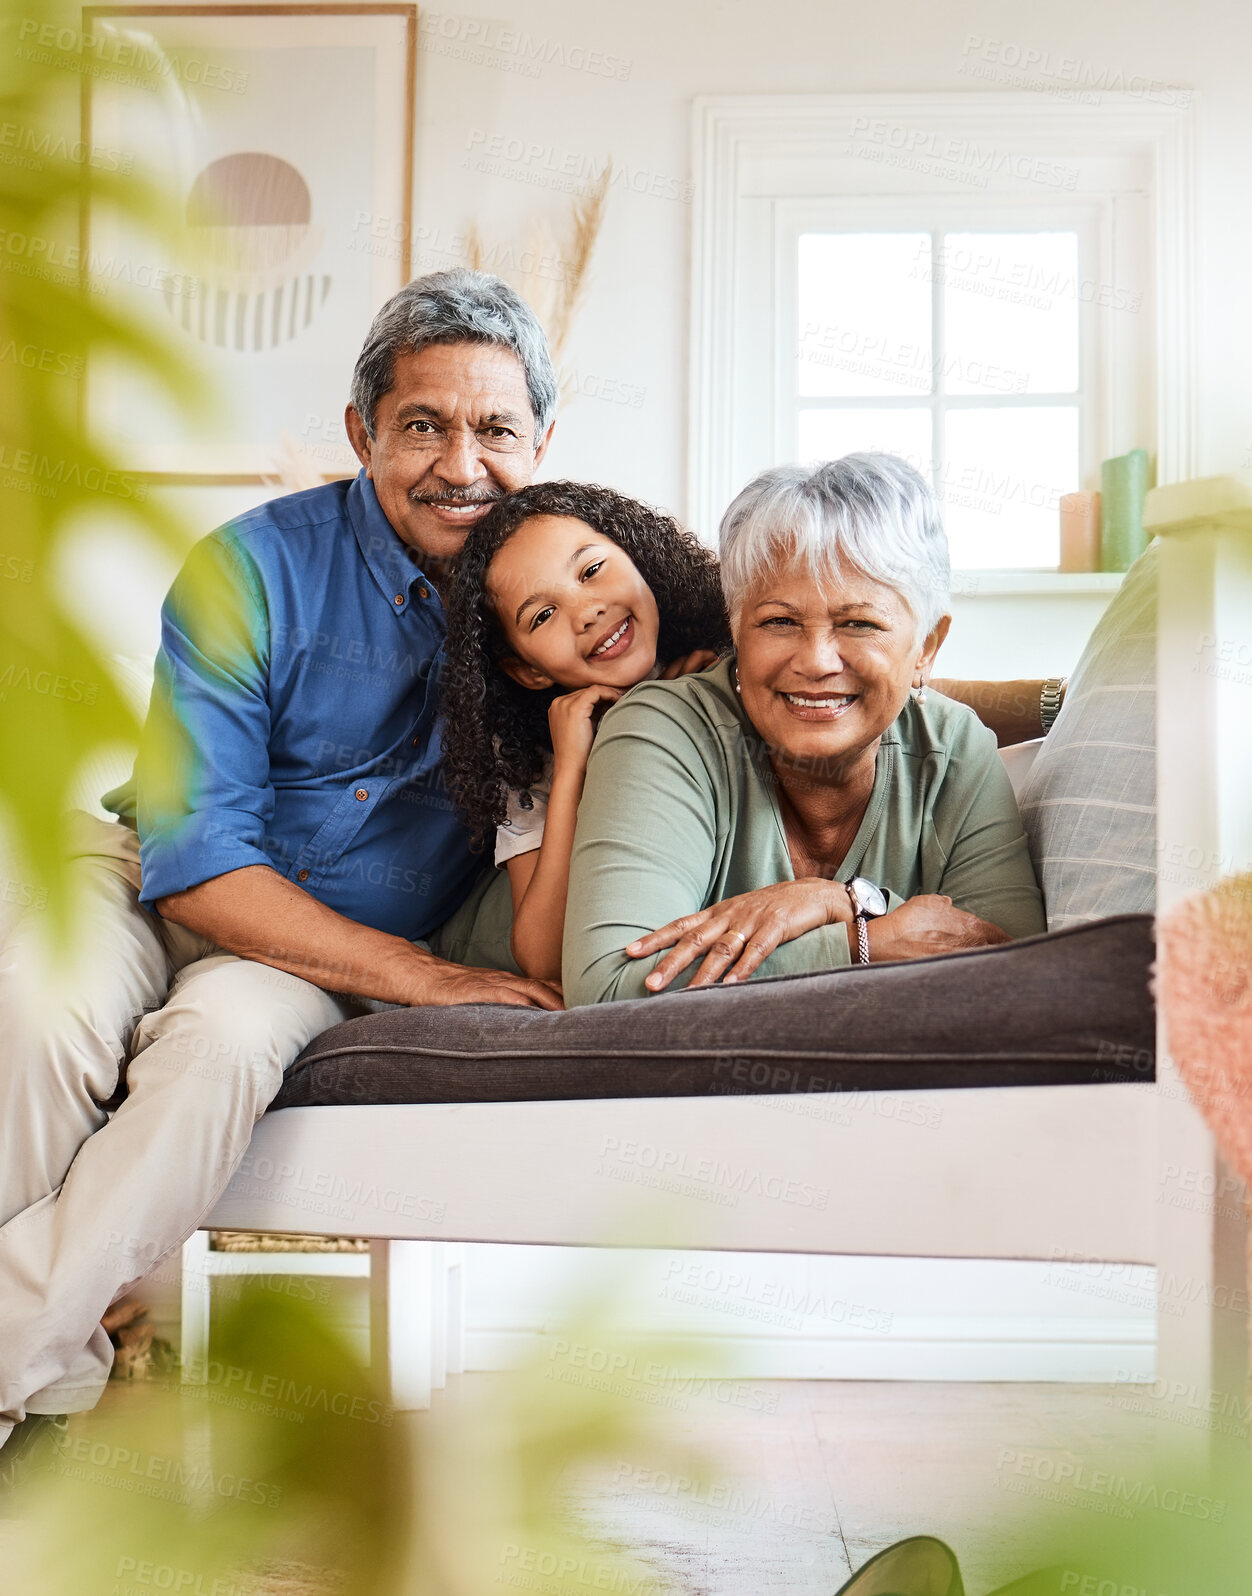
458,496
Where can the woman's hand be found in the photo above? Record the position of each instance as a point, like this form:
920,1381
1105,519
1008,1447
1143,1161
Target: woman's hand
686,664
572,722
927,925
739,934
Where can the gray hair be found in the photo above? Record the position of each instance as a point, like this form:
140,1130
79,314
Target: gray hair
870,513
459,306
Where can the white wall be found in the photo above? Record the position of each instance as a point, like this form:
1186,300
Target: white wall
632,339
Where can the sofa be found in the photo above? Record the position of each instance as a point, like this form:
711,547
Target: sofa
1062,1126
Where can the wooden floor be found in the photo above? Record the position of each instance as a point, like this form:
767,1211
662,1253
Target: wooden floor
802,1496
803,1481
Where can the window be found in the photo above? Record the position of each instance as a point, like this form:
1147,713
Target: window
961,350
993,319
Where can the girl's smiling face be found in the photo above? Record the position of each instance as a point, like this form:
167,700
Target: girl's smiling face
573,607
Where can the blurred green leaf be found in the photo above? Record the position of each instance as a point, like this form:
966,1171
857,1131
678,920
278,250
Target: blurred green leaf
59,703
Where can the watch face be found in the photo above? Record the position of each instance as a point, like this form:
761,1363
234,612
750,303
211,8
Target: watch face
872,900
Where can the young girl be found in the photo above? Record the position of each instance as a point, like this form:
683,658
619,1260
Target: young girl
565,595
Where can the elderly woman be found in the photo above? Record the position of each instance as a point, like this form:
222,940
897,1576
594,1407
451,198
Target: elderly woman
803,804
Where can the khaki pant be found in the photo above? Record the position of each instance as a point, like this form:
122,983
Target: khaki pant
90,1204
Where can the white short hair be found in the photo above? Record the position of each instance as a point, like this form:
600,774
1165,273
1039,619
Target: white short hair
872,514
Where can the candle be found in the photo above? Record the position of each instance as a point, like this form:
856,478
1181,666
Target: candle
1080,532
1124,485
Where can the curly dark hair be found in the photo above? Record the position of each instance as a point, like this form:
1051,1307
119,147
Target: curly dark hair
496,732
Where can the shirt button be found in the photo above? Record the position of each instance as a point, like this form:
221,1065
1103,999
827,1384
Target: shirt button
399,598
362,794
303,875
416,740
423,592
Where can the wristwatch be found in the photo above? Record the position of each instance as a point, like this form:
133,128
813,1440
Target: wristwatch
1050,697
868,902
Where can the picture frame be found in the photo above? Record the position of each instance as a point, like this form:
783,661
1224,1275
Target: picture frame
286,133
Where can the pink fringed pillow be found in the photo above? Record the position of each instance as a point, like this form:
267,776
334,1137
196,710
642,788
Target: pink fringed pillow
1204,987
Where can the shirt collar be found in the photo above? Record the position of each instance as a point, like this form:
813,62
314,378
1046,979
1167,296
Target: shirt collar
388,556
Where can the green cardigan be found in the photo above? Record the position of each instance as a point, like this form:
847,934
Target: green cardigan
679,812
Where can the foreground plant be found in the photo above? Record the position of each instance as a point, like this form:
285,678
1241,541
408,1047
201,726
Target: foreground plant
59,702
282,1461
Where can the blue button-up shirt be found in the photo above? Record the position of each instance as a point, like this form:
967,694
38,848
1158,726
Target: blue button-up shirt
294,718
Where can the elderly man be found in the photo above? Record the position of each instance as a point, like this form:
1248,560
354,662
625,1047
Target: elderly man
285,840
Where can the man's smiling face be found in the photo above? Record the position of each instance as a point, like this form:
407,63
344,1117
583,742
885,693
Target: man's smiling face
453,433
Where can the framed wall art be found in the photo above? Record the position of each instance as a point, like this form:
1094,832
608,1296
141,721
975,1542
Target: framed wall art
283,135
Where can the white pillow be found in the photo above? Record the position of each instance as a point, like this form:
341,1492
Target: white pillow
1089,802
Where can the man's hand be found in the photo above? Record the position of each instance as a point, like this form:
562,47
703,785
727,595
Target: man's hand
687,664
739,934
927,925
449,984
258,914
1009,709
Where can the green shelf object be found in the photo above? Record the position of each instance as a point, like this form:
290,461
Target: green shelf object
1124,483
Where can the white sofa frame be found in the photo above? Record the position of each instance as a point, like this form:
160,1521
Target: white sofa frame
1063,1172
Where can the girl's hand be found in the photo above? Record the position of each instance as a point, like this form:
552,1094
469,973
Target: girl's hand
686,664
572,722
739,934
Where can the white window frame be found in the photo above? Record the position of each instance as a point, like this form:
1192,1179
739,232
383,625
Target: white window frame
764,163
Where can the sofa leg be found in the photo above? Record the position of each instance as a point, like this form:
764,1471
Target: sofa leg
402,1320
438,1315
193,1333
454,1274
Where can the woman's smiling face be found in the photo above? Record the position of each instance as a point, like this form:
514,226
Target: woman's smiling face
573,607
826,666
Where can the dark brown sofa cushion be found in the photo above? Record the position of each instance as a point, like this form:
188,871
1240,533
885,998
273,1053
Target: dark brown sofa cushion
1071,1008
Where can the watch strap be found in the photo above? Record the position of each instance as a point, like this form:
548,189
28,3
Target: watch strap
860,919
1050,700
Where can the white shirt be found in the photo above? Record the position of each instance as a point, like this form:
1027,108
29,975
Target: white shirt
522,831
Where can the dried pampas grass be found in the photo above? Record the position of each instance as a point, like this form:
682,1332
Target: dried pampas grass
555,284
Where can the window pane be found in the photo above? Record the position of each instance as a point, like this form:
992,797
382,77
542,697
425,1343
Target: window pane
864,314
827,434
1010,312
1006,470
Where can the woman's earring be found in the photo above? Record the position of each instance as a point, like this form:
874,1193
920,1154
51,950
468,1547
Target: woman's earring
919,693
738,689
